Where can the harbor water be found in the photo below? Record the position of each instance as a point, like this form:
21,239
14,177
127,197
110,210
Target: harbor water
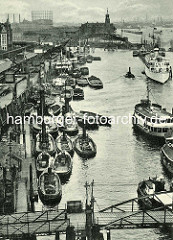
124,157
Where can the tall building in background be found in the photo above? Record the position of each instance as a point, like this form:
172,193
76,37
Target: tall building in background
5,35
38,15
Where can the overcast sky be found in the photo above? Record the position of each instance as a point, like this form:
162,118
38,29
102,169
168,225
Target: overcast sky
90,10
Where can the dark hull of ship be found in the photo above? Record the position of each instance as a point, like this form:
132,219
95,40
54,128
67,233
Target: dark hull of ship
96,86
149,135
85,153
148,202
88,126
166,161
64,177
49,200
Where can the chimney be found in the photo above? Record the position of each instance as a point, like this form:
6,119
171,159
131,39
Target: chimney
13,18
19,18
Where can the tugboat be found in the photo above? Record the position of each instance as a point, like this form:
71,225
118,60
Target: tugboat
49,188
101,119
150,187
82,82
46,113
95,82
64,143
63,165
129,74
44,141
84,145
43,161
152,119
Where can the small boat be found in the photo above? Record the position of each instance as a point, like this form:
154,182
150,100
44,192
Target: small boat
152,119
63,66
63,165
51,128
70,124
162,52
64,143
70,82
67,92
129,74
89,59
49,101
43,161
90,123
58,83
96,58
49,187
84,70
149,187
95,82
84,145
135,53
76,73
82,82
54,110
101,119
46,143
78,94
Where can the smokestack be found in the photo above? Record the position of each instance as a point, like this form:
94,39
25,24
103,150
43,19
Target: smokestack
14,18
19,18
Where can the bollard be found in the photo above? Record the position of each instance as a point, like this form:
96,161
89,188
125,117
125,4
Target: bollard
108,234
57,236
70,233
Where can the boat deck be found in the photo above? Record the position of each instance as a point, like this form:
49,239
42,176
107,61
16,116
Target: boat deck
153,111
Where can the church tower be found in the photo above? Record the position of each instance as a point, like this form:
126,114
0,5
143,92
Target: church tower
107,18
107,22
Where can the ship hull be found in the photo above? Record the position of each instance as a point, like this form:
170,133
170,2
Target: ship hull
158,77
167,161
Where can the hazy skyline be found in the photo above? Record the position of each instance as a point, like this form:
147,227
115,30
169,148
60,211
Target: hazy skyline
91,10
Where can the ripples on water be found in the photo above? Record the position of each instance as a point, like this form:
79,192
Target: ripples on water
123,158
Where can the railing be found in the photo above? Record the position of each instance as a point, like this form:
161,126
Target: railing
33,223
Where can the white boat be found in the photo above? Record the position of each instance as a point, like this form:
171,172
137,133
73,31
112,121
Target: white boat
63,66
152,119
157,68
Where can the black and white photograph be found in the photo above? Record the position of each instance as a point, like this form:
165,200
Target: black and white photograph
86,120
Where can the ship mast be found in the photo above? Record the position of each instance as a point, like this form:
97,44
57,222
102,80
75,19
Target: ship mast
148,93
